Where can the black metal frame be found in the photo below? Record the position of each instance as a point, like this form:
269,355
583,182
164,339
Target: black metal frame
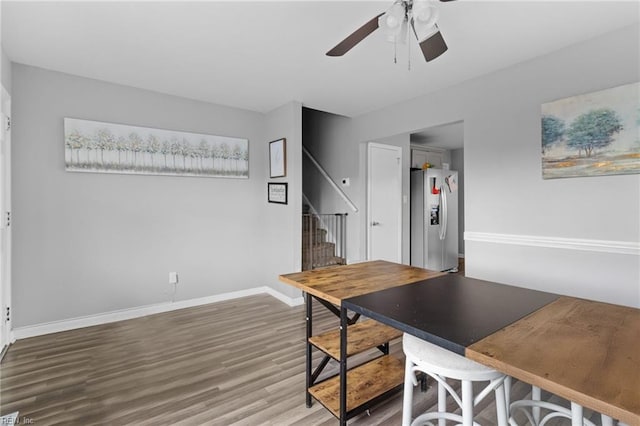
310,379
330,306
344,321
312,375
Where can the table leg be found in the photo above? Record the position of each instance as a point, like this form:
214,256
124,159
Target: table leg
344,321
309,379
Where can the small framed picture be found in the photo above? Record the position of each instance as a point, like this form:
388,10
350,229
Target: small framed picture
277,192
278,158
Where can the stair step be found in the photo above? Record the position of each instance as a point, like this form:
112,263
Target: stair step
317,251
316,236
320,246
332,261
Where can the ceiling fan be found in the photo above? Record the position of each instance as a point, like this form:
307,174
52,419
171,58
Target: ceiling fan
404,16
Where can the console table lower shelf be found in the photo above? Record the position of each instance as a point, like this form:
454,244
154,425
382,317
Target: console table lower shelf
367,384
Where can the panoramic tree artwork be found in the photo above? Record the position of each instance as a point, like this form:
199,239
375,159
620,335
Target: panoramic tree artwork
93,146
593,134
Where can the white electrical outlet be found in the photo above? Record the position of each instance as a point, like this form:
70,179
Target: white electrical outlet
173,278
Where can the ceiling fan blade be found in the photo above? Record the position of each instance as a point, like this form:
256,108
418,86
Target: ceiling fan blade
356,37
433,46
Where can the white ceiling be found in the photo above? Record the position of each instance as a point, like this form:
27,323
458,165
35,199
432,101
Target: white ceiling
260,55
446,136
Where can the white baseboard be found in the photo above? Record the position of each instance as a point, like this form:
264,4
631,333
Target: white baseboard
602,246
125,314
297,301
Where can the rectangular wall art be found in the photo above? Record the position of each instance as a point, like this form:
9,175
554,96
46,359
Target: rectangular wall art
278,158
277,192
93,146
593,134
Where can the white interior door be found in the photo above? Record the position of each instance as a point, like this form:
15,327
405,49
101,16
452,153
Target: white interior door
384,202
5,229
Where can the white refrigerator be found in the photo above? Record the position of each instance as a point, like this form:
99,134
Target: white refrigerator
434,219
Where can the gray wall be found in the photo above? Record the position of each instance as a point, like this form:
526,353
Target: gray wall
5,70
85,243
324,135
281,251
457,163
328,137
505,193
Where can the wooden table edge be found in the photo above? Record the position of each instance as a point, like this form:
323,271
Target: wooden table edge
311,290
337,301
625,416
560,390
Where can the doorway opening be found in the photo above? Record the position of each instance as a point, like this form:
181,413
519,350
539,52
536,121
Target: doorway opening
440,148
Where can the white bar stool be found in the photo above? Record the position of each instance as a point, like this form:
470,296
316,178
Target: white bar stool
440,364
533,408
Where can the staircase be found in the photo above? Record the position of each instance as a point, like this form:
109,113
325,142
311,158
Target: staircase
323,240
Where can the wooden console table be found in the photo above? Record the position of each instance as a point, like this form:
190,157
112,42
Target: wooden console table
369,383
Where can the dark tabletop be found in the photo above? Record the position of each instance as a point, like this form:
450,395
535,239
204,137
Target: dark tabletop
451,311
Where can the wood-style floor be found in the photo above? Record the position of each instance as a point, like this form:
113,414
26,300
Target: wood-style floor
238,362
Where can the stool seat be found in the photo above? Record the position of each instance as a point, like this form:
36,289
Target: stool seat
441,365
444,362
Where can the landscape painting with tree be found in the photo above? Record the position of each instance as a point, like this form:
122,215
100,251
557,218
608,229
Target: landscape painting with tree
93,146
593,134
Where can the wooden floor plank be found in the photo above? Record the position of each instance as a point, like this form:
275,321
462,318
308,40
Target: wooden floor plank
238,362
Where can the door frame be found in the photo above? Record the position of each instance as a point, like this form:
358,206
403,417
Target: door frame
6,332
398,150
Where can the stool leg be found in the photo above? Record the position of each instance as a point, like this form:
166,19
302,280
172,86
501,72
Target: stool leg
501,405
442,403
407,398
576,415
467,403
606,420
536,395
507,391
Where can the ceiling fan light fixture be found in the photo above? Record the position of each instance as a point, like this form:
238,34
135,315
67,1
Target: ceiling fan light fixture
425,16
423,11
420,15
393,23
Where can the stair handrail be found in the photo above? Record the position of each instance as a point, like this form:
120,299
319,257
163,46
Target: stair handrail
334,185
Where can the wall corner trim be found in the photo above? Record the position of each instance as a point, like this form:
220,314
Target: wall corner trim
602,246
125,314
297,301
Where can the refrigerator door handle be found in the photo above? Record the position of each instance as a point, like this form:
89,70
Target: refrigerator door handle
443,229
